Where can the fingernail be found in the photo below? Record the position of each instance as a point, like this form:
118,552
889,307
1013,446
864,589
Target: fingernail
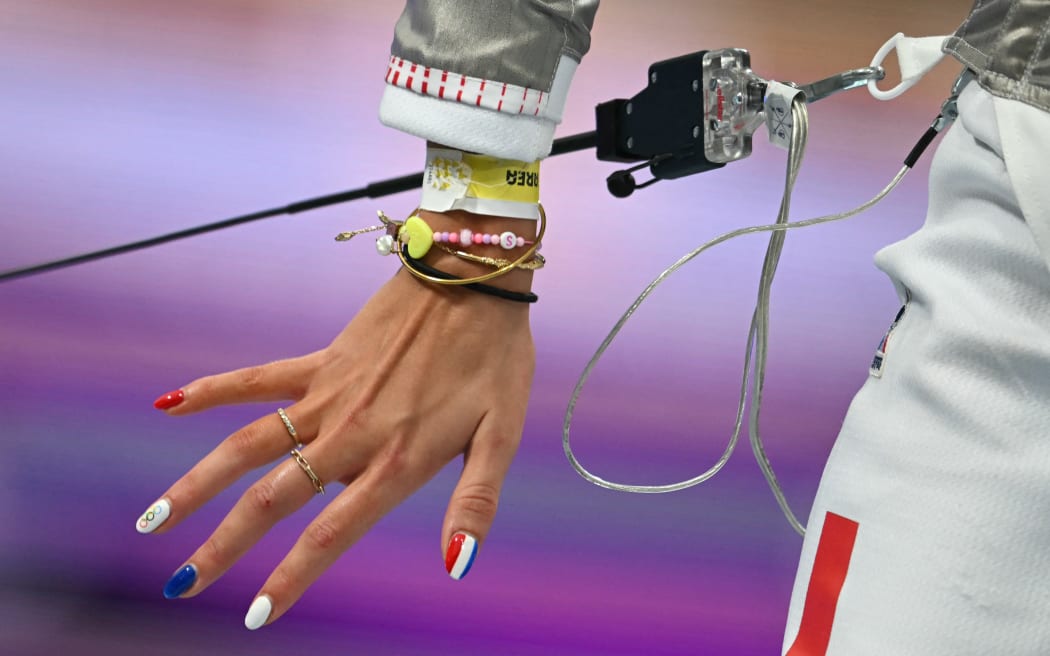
258,612
460,555
169,400
180,582
154,516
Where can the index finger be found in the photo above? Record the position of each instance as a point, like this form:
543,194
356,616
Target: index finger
276,381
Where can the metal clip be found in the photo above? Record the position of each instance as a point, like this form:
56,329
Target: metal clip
950,109
841,82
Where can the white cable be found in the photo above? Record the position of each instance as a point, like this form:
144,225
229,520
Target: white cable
757,339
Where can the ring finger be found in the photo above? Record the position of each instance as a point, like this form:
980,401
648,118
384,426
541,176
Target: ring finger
287,487
261,442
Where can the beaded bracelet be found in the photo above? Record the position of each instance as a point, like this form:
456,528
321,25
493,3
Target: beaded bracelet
421,234
506,240
417,268
414,233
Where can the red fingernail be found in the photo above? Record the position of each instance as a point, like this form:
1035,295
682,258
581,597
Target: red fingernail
169,400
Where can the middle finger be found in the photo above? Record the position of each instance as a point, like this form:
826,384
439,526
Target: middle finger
259,443
281,492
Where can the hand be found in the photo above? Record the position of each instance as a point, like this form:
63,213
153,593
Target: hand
420,375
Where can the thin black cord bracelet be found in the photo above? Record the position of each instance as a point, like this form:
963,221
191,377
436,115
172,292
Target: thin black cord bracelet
517,297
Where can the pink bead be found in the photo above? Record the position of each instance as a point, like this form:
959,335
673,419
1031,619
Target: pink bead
478,238
521,241
453,238
486,239
465,236
495,239
437,236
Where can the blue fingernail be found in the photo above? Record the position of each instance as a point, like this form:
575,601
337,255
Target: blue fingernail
180,582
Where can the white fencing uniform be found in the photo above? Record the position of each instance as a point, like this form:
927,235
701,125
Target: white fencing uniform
930,533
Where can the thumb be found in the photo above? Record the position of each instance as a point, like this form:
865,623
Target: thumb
474,501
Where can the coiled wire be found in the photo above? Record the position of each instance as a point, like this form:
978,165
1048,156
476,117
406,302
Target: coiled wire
757,337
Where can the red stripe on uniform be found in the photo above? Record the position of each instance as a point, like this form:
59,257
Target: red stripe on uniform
825,583
394,81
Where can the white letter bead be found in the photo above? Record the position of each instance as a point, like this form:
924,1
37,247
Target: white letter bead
465,237
508,240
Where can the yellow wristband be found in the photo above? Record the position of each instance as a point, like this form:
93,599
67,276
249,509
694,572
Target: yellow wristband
454,180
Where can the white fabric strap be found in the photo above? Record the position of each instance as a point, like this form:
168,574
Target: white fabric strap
916,57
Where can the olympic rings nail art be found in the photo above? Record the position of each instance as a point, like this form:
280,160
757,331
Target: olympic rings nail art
154,516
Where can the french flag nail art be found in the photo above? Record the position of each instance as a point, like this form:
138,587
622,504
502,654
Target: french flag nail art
154,516
462,549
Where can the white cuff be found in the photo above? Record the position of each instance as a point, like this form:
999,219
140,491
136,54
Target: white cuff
476,121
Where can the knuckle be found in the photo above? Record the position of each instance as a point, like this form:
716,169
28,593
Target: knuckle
504,441
246,443
212,554
281,580
321,535
479,500
252,376
394,461
262,496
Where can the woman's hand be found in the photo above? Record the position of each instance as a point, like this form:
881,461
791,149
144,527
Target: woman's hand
420,375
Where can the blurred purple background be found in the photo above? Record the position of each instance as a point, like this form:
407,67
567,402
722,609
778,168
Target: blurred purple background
120,120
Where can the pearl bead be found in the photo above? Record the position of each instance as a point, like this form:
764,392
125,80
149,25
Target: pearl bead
521,241
385,245
465,236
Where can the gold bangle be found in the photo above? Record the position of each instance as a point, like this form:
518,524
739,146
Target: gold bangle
537,261
527,255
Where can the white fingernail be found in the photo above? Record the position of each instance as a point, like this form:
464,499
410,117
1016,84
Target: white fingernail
258,613
154,516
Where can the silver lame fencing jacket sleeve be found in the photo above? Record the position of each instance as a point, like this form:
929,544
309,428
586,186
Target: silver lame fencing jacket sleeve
1007,43
487,76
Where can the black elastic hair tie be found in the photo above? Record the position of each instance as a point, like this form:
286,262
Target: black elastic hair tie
517,297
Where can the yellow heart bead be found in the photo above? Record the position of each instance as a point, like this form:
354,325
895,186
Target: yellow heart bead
418,235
